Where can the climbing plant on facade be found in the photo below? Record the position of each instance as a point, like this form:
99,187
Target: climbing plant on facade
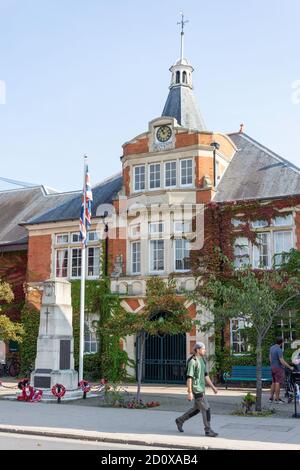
259,298
110,361
224,224
30,320
161,297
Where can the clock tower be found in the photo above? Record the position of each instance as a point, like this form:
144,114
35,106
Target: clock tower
169,172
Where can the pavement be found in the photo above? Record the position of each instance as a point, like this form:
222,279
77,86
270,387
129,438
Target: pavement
90,420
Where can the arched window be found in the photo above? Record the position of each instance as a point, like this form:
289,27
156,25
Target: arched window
184,79
178,77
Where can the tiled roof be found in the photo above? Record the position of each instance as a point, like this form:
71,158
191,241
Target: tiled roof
69,209
19,205
181,104
256,172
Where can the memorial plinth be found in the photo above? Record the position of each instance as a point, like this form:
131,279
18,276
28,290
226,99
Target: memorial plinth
55,346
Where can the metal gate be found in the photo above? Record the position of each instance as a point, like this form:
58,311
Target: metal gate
164,359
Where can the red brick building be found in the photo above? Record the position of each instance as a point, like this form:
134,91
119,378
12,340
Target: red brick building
17,205
167,174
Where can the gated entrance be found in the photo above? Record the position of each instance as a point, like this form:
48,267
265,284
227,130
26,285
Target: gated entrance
164,359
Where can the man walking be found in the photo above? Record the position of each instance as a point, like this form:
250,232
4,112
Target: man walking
277,368
196,379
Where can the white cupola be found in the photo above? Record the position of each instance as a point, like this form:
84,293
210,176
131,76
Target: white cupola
181,103
181,74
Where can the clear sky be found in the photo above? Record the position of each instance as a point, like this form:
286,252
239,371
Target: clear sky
85,76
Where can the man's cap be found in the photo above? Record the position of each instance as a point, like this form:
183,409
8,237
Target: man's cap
199,345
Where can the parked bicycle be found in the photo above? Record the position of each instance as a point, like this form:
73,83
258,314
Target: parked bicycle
289,388
11,368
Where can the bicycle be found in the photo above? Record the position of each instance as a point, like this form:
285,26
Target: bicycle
289,385
11,368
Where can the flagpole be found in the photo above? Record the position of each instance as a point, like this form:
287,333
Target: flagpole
82,285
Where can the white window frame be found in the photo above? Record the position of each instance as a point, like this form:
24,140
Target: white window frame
288,218
239,342
182,240
96,236
241,242
66,250
69,249
241,249
170,172
285,223
156,228
72,235
256,249
96,262
78,267
186,227
288,329
186,185
139,189
60,235
279,254
236,222
156,188
259,224
90,336
151,261
135,231
137,261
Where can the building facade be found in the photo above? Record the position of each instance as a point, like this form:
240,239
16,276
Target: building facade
155,213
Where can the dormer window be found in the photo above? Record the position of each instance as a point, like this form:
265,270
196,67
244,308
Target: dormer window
177,77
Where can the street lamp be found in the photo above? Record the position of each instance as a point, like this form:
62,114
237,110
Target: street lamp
215,146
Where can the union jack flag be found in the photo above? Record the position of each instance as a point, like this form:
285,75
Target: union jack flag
85,216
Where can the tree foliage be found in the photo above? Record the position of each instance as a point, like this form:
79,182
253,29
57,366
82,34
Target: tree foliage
164,313
110,361
6,293
161,297
8,329
257,297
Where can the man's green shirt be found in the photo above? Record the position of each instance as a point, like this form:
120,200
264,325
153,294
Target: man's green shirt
197,370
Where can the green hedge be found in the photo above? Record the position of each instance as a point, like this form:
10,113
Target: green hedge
30,319
92,362
91,367
110,361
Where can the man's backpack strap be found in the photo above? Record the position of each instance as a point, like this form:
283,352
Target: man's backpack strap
187,366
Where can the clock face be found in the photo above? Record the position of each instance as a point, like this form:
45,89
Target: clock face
164,133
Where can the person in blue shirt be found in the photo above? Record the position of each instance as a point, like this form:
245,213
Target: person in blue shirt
277,368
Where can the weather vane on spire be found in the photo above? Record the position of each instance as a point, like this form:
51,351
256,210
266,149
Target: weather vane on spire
182,23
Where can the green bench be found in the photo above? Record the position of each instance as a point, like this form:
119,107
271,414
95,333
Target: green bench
246,374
